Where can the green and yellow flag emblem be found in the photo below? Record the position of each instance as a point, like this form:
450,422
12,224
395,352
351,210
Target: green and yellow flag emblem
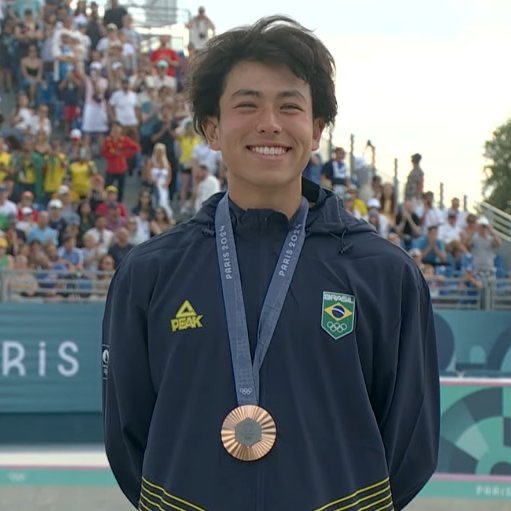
338,314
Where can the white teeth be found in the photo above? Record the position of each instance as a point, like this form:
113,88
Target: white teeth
269,151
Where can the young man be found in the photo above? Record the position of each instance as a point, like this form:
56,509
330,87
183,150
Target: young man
339,407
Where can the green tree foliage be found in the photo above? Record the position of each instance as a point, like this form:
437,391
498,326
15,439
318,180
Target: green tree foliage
497,183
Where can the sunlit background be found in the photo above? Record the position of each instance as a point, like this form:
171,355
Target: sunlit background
429,77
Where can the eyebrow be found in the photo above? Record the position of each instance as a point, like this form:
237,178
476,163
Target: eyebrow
293,93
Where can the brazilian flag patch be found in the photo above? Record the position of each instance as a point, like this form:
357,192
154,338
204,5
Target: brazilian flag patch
338,314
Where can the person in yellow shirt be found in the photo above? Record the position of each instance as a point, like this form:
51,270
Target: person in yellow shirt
55,166
5,160
80,172
358,204
28,170
187,139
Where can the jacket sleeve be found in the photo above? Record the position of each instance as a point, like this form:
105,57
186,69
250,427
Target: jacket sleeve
128,392
407,392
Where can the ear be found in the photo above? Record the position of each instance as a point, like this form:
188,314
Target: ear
211,130
317,130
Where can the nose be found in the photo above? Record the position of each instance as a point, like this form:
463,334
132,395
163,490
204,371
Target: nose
268,121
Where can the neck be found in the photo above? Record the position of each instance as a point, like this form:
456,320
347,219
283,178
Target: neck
285,199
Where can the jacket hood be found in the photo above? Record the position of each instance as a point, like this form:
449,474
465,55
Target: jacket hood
326,214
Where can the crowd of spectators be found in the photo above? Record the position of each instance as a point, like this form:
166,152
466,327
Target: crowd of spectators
94,102
445,242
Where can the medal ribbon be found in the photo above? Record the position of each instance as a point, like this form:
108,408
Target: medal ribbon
246,373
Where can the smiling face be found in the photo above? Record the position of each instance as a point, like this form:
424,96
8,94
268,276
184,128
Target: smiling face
265,129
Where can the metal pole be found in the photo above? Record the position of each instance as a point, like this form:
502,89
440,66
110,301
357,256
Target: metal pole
396,186
352,154
330,141
441,195
465,202
3,285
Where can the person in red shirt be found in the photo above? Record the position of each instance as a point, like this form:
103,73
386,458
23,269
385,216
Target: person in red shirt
112,197
115,150
165,52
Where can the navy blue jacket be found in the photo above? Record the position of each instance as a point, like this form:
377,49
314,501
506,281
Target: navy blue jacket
357,418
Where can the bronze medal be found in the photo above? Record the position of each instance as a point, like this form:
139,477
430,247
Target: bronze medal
248,433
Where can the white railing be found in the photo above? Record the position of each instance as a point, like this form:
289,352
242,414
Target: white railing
454,293
48,285
500,220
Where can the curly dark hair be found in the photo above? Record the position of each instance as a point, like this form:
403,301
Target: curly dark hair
272,40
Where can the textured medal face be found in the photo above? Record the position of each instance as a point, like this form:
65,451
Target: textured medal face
248,433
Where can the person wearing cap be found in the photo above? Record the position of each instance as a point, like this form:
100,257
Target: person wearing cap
483,246
111,196
74,144
55,218
114,220
69,200
167,54
161,79
65,58
297,370
201,29
112,36
116,149
450,234
26,220
65,26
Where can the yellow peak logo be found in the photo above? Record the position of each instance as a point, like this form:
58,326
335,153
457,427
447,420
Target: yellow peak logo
186,318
